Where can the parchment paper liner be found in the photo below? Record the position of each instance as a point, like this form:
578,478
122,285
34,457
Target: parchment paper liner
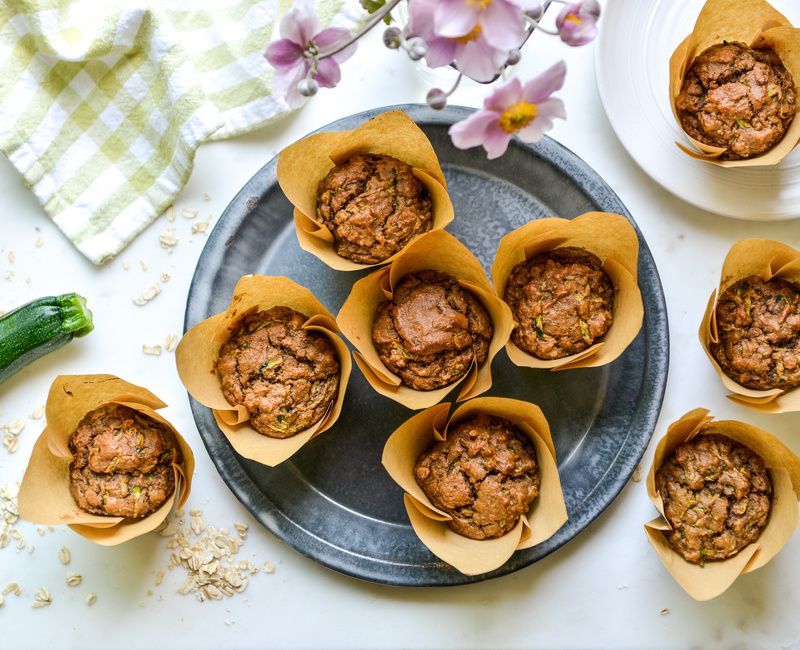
197,353
302,165
609,236
470,556
44,496
440,251
766,259
708,581
752,22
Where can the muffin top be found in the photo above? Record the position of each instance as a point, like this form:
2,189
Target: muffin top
484,475
562,302
717,496
758,324
122,462
373,205
431,330
285,376
738,98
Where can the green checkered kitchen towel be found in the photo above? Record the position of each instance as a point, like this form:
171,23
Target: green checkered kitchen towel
103,104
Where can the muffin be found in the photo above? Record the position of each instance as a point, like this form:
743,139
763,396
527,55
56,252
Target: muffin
431,331
717,497
373,205
285,376
122,462
562,302
484,475
737,98
758,325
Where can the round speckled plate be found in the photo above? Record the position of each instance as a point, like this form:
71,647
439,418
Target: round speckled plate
333,501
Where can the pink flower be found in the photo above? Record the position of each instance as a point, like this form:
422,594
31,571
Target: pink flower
472,53
527,111
577,22
292,56
500,21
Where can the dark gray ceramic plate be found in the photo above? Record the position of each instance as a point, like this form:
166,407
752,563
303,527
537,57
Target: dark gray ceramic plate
333,501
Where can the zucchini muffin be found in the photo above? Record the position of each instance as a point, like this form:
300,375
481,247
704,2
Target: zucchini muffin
738,98
373,205
431,331
717,496
484,475
122,462
285,376
758,324
562,302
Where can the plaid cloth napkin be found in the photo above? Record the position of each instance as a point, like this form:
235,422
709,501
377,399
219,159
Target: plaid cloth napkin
103,104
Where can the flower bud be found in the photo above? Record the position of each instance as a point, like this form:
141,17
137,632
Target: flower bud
514,57
307,87
436,98
537,13
417,48
392,37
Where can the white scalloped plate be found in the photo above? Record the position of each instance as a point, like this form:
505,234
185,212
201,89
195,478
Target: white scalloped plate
637,37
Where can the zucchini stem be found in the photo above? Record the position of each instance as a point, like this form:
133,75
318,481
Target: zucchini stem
77,319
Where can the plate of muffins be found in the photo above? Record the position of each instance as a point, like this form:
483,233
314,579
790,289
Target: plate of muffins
704,98
419,367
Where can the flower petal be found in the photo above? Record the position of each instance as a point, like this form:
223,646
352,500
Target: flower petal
441,52
541,87
505,95
420,23
479,60
300,24
502,25
284,84
454,18
330,36
496,142
328,73
283,54
528,5
471,132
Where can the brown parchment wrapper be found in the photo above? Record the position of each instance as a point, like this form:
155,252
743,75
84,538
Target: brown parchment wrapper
766,259
302,165
609,236
470,556
440,251
752,22
196,357
713,578
44,496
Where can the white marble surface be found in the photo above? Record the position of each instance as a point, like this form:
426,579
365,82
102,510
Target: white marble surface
604,589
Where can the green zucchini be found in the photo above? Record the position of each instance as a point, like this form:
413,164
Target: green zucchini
39,327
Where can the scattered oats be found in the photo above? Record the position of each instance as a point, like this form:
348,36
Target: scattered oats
200,227
664,612
42,598
149,593
159,577
9,515
91,599
206,196
147,295
11,443
170,213
16,427
144,266
9,274
2,601
269,567
126,265
74,579
154,350
168,240
12,587
165,277
40,530
637,474
38,414
31,549
169,530
12,257
228,621
188,213
39,242
198,526
171,343
241,529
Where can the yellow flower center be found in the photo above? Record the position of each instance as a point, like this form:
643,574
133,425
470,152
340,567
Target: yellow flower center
466,38
572,18
480,4
518,116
